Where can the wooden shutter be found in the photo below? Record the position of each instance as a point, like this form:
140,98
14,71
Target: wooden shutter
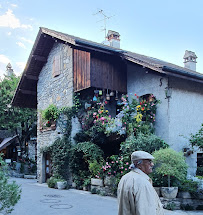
56,66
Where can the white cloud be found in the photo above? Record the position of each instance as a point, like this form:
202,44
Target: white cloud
14,5
22,45
9,20
9,33
4,59
26,40
21,65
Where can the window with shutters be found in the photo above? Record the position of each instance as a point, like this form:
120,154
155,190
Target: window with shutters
57,66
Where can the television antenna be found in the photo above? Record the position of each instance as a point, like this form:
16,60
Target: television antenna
105,18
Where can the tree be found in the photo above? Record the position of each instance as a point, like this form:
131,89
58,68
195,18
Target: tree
9,192
21,121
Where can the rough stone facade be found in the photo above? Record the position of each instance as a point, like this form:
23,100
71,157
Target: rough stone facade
180,111
53,90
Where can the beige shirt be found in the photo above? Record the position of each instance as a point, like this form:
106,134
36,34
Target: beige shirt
136,195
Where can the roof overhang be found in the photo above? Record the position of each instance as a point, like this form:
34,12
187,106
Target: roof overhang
26,92
6,142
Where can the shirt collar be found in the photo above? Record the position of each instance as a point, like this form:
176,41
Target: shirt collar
142,173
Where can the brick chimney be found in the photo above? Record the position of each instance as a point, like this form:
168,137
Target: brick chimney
190,60
113,38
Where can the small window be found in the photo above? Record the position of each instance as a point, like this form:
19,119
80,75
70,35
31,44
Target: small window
56,69
199,164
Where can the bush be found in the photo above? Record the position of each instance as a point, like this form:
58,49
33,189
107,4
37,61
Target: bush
189,186
51,182
51,113
82,155
145,142
60,155
170,163
9,192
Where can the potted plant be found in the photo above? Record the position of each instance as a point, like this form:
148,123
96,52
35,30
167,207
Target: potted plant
171,164
50,115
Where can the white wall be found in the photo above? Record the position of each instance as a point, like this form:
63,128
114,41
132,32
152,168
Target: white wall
178,116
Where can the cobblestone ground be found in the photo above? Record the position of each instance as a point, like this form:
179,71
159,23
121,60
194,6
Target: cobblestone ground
38,199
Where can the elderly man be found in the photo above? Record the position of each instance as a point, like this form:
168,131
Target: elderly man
136,195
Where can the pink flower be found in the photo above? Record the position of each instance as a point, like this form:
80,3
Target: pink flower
125,168
106,102
127,163
121,171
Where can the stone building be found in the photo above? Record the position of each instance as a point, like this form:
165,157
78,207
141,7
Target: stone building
60,64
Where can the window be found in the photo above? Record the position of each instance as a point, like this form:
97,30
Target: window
199,164
57,65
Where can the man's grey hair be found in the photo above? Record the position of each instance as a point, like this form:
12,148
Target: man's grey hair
135,164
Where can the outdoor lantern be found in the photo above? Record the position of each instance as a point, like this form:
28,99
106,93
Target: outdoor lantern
107,95
112,93
116,98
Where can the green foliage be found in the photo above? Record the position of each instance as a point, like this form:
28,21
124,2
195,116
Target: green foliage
94,168
189,186
60,155
171,163
65,122
170,206
197,139
9,192
22,121
51,182
51,113
82,155
146,142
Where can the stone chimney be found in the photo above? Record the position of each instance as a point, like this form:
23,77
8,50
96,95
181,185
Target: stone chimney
113,38
9,70
190,60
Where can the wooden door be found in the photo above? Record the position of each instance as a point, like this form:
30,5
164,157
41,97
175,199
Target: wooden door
48,165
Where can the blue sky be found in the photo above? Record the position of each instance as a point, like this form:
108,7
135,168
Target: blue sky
159,29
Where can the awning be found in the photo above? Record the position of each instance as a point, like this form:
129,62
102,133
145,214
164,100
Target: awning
6,142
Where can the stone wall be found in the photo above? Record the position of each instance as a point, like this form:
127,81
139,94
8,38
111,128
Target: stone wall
53,90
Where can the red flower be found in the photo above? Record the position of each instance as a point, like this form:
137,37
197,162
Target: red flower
106,102
138,97
135,94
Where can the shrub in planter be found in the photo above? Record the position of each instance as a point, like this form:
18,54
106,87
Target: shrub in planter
171,164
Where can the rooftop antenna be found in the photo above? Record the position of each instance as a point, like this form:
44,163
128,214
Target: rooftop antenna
104,19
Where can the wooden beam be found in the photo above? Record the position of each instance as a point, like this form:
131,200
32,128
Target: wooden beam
28,92
39,58
31,77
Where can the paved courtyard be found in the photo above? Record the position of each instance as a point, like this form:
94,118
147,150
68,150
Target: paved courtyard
38,199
